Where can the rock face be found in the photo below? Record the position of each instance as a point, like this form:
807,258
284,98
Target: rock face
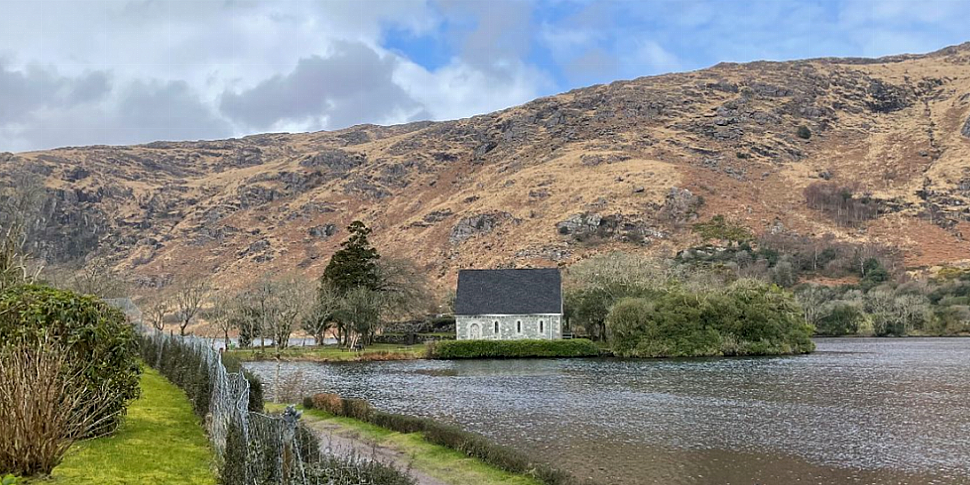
630,165
477,225
323,232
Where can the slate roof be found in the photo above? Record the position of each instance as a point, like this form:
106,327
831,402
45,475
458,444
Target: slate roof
508,291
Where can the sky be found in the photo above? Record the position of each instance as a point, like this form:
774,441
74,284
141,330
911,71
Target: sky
77,72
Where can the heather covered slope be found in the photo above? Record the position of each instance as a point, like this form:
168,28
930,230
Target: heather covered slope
630,164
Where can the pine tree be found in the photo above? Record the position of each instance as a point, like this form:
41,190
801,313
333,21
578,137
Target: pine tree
355,265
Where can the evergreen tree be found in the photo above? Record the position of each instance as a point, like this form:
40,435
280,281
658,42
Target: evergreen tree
355,265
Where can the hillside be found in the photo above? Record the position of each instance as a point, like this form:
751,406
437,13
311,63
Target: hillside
630,164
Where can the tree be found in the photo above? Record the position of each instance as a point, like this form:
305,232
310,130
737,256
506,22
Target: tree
361,309
320,318
189,296
156,310
13,259
355,264
99,279
290,300
404,288
224,311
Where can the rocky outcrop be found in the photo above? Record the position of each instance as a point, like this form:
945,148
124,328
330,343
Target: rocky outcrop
886,98
325,231
680,206
590,227
477,225
335,160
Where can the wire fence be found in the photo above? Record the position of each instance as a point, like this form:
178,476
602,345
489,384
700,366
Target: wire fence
252,447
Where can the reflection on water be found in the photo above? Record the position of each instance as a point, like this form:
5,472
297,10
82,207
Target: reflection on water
861,411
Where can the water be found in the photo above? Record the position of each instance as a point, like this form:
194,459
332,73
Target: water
858,411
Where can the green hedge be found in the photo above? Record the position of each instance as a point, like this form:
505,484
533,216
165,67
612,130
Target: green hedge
97,336
449,436
512,349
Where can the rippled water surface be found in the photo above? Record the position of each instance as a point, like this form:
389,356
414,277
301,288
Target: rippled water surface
859,411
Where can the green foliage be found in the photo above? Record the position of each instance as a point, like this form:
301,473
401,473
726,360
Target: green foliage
233,469
511,349
747,318
840,318
720,228
804,133
874,273
355,264
97,336
9,480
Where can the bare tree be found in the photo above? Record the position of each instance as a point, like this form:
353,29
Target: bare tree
13,259
403,287
320,318
156,310
291,298
189,296
225,312
99,279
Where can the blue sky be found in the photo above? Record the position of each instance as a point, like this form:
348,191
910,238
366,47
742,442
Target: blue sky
132,71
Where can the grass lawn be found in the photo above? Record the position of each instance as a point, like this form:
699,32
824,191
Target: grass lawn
160,441
443,463
333,353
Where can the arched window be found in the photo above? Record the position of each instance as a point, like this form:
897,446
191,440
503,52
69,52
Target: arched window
542,327
496,327
518,326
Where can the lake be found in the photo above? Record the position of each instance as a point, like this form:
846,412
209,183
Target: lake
858,411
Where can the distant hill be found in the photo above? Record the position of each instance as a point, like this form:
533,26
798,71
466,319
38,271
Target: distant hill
627,165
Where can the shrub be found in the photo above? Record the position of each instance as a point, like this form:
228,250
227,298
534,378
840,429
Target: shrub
44,405
330,403
95,336
720,228
747,318
804,133
512,349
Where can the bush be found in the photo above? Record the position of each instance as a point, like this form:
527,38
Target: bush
747,318
804,133
96,337
44,405
512,349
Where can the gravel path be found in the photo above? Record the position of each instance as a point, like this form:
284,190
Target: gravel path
344,442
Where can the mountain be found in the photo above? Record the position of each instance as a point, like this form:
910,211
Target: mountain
629,165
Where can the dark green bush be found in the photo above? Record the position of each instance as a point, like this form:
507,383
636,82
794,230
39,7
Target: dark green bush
98,337
804,133
512,349
234,461
747,318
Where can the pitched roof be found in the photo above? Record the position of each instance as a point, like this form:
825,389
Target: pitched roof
508,291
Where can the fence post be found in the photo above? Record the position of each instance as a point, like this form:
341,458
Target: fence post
290,417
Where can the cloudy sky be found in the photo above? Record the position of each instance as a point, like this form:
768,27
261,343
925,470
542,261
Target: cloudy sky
75,72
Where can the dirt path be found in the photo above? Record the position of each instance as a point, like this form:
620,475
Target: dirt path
347,443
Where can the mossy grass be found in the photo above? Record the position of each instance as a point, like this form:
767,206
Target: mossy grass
443,463
333,353
160,441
